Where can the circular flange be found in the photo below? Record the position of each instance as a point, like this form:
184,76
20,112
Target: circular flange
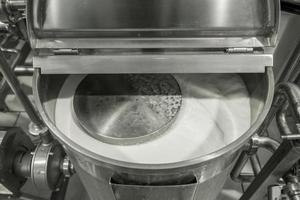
126,109
45,166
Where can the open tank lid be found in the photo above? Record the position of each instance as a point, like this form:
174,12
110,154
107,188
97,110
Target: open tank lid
93,24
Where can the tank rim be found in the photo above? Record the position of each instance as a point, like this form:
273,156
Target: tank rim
231,148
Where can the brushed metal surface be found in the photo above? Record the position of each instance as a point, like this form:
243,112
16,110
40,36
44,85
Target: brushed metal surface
152,43
154,63
126,109
141,18
140,23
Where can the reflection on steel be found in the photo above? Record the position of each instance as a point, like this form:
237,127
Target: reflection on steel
23,70
126,109
153,18
16,4
203,25
39,167
287,97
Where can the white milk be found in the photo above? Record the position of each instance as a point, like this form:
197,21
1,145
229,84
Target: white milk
215,111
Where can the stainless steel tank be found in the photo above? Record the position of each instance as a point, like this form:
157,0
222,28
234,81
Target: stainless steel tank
133,36
105,178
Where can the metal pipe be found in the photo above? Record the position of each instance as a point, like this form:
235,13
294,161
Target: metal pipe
266,143
281,120
237,169
8,74
15,86
256,142
15,5
291,137
256,166
23,70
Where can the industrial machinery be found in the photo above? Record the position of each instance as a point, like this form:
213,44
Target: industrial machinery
148,99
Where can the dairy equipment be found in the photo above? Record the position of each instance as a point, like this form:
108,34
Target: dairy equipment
143,99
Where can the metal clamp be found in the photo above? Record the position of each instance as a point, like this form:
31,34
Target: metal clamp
48,167
45,166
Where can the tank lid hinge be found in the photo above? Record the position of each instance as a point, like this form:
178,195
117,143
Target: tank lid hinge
65,52
239,50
